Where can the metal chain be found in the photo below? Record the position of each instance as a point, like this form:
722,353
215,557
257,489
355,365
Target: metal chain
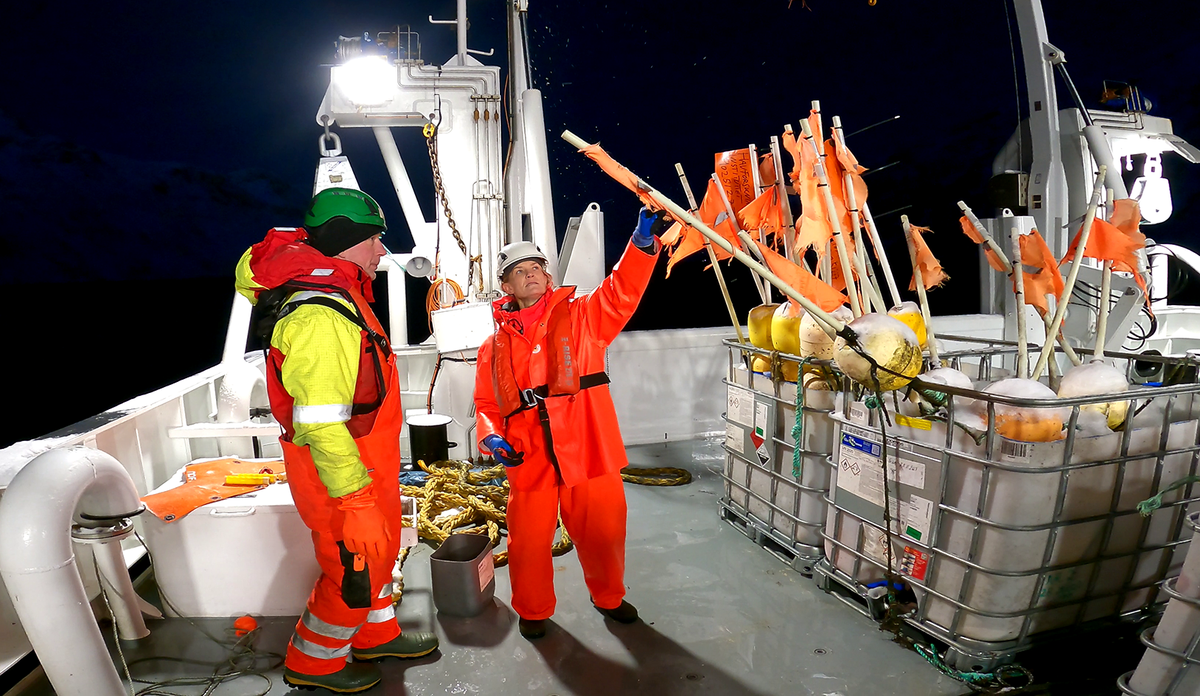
430,132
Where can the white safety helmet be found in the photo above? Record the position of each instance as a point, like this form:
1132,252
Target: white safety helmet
515,253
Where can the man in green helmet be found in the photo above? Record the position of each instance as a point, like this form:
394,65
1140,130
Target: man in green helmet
332,383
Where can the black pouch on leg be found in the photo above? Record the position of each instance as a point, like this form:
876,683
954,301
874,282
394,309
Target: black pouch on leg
356,583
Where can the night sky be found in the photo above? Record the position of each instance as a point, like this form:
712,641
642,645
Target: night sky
144,146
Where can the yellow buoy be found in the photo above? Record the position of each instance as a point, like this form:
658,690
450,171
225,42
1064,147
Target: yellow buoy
895,355
759,323
760,364
910,314
785,328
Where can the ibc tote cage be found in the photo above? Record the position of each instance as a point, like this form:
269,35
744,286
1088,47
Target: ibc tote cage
993,567
775,500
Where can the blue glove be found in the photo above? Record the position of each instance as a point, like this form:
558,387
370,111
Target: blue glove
648,227
502,451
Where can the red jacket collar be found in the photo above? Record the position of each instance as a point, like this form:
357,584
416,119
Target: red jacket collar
284,256
505,309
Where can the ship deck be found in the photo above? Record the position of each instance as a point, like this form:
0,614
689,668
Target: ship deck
720,615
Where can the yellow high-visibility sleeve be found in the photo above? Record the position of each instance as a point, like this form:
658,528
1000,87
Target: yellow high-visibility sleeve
320,369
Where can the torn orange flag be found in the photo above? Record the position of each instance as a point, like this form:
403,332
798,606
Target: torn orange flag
932,274
976,236
1039,273
681,241
684,240
735,170
803,282
849,164
793,148
766,169
764,213
1107,242
618,171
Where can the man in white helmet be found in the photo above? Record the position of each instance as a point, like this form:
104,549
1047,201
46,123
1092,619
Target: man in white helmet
544,410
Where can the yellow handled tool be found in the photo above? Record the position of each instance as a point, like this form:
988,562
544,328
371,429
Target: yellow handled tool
254,479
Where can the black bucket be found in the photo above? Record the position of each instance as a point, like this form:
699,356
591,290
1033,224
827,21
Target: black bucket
427,437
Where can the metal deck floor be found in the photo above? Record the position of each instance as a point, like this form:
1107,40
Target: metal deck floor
720,616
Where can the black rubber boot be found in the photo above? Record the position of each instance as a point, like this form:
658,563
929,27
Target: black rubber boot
532,629
626,613
351,679
407,644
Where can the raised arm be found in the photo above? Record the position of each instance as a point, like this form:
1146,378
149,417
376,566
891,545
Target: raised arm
608,308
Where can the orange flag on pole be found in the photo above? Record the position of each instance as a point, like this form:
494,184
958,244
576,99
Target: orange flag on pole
764,213
803,282
1044,279
684,240
1107,242
977,237
932,274
735,170
618,171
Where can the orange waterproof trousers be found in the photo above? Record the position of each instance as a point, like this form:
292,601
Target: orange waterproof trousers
328,628
594,514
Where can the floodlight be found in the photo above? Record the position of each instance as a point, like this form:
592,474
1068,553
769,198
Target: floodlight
366,81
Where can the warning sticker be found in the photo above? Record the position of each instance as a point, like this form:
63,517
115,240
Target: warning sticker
487,571
739,406
860,467
735,438
915,563
918,423
912,517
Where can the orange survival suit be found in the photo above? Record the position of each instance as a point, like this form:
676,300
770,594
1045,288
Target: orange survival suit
540,384
353,609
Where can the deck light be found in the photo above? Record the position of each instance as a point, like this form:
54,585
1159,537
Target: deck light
366,81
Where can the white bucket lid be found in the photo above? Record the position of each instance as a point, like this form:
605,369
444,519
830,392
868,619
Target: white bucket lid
429,419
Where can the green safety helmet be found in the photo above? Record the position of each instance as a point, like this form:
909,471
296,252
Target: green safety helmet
352,204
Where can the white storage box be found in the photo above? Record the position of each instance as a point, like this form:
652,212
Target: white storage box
462,327
246,555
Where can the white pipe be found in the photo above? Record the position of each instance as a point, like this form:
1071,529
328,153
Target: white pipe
122,598
241,388
238,330
397,298
421,230
1102,153
461,31
39,569
537,178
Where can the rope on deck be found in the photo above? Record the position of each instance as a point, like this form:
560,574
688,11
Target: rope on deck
458,497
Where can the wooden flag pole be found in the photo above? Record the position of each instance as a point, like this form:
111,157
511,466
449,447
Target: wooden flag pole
1105,290
1008,269
712,257
1102,319
834,222
919,281
1060,311
789,233
873,232
763,291
839,327
870,287
1018,271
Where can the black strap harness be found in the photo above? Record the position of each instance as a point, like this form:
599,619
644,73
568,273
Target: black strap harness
536,398
377,343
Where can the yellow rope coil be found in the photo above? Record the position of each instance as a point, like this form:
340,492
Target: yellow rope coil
458,499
